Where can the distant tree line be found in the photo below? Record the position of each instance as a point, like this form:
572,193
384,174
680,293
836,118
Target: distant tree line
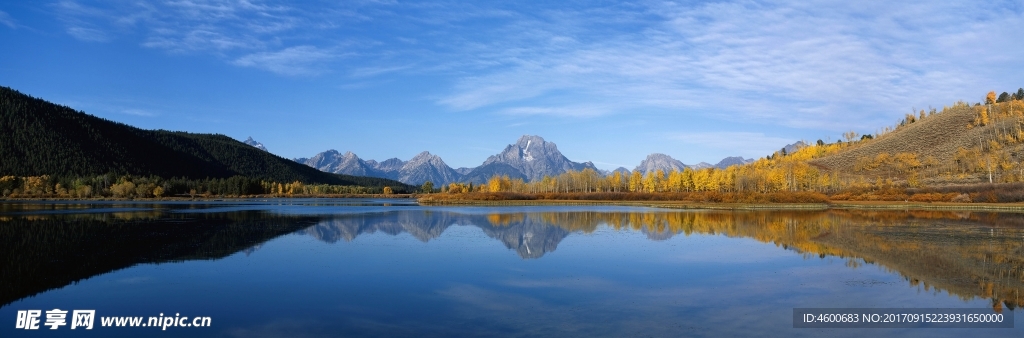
780,172
128,186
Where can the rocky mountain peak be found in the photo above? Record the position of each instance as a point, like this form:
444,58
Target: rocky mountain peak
529,139
425,156
791,148
421,168
533,157
348,164
389,165
538,145
427,167
731,161
253,143
658,161
702,165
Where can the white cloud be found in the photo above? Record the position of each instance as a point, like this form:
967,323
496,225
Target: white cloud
139,112
269,35
581,283
200,39
809,64
6,20
292,61
88,34
376,71
805,64
564,111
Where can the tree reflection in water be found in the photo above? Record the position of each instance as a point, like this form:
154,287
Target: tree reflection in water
967,254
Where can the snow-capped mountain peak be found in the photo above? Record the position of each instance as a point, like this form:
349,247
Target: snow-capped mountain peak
253,143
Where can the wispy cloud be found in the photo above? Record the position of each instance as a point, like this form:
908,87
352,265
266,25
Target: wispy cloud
566,111
7,20
582,283
376,71
251,33
779,62
88,34
292,61
217,26
140,113
810,64
83,22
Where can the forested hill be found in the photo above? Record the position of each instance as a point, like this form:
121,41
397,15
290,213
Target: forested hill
41,138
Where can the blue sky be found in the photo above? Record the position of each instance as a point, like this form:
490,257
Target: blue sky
609,82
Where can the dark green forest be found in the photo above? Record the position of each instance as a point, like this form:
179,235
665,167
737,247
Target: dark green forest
40,138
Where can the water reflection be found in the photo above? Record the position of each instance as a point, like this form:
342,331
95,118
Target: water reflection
44,252
966,254
970,255
530,237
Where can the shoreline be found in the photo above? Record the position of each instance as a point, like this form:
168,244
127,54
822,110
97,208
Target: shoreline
861,205
204,199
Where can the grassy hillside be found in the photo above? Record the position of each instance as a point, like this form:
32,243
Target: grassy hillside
41,138
938,136
960,144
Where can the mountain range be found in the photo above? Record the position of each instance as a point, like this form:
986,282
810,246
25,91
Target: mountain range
529,158
421,168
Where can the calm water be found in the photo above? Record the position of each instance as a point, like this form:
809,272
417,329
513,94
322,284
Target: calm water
325,268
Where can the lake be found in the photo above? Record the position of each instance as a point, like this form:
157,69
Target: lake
326,268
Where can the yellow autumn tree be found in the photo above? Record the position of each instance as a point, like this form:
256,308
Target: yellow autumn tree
649,182
498,183
675,181
687,179
615,181
636,181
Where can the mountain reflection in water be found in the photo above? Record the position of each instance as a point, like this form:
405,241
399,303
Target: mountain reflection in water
967,254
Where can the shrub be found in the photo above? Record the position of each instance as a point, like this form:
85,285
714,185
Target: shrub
962,198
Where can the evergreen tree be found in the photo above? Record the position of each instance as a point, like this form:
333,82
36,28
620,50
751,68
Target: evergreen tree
1003,97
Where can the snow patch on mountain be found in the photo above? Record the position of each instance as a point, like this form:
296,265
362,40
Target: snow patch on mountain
253,143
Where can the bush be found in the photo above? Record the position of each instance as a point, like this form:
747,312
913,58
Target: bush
962,198
933,197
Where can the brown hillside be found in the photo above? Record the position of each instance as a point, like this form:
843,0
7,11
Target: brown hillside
938,136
